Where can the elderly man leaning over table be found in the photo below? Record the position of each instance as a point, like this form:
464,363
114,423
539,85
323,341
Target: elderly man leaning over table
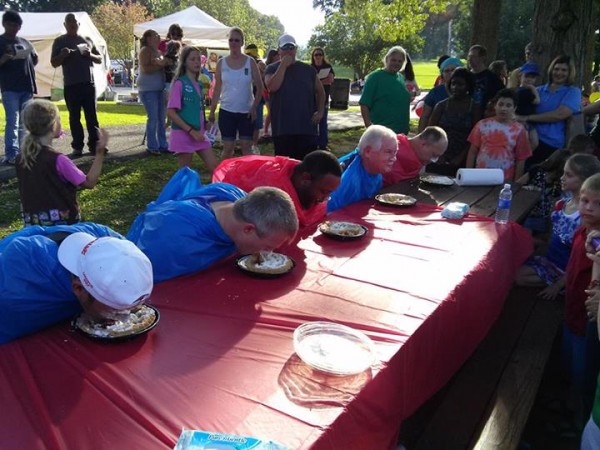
309,182
50,274
384,158
187,230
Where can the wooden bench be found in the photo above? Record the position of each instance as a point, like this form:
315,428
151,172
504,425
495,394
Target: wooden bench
487,403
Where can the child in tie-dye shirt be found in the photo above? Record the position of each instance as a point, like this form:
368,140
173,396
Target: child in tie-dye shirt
500,142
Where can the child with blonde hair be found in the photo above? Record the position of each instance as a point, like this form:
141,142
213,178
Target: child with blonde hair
549,270
48,180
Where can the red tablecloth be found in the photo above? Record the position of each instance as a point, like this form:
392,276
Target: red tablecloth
221,359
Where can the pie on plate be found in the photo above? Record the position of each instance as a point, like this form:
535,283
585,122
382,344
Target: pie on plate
122,324
396,199
342,230
437,179
266,263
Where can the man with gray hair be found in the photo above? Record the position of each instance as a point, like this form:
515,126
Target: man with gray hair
415,153
385,100
188,232
363,168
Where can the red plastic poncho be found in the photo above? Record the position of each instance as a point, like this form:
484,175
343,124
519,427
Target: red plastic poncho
249,172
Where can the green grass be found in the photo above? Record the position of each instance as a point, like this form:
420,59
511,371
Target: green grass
110,114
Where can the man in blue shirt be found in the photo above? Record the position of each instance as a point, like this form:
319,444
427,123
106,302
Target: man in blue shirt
189,230
17,81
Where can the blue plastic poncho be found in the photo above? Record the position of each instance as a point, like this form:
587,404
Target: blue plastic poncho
356,184
181,235
35,289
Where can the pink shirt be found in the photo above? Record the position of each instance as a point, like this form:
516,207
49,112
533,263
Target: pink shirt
179,140
68,171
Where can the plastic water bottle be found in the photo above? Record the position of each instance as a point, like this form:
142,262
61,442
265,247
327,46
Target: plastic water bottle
503,210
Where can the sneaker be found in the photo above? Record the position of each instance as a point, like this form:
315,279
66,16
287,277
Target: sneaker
153,152
255,150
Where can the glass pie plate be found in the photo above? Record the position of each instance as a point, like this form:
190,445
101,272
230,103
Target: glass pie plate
334,348
280,265
436,179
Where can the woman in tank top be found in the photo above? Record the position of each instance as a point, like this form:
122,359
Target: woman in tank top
235,77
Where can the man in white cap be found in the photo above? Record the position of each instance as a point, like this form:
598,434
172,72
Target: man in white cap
49,274
297,102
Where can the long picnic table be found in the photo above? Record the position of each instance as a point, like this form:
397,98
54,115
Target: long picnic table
481,199
222,359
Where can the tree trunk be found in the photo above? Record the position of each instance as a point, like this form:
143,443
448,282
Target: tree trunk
565,27
486,14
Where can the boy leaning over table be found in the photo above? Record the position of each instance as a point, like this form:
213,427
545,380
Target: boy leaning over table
188,229
50,274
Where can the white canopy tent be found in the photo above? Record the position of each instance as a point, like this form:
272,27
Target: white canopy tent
41,29
198,28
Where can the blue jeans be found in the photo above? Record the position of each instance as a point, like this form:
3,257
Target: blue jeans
154,103
13,103
323,137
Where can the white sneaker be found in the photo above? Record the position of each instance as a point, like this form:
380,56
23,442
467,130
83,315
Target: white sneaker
255,150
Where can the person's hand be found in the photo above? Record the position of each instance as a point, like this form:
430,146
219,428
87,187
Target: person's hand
197,135
591,304
102,141
211,117
317,116
588,240
252,115
550,292
287,61
65,51
328,80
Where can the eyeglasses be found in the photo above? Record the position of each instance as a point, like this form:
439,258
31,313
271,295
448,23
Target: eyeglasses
318,54
234,40
288,47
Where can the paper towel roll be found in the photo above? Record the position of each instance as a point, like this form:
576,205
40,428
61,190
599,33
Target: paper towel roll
479,177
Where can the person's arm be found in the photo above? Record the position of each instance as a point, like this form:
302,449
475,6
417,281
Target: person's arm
434,120
320,95
366,115
425,117
93,54
275,81
59,55
472,156
519,169
94,173
559,114
523,179
552,291
216,96
258,84
536,95
591,109
150,63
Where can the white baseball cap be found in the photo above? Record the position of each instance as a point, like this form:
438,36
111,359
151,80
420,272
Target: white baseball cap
114,271
287,39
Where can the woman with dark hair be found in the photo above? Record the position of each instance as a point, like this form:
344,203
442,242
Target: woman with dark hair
326,75
175,33
559,101
272,57
457,115
410,80
151,85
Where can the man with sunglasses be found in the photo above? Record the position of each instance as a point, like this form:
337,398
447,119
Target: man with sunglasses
50,274
297,102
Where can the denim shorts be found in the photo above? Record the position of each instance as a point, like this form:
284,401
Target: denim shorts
233,124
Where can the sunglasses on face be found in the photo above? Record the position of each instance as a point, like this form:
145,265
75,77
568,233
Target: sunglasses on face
234,40
318,54
288,47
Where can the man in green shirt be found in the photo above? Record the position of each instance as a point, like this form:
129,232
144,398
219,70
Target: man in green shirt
385,99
